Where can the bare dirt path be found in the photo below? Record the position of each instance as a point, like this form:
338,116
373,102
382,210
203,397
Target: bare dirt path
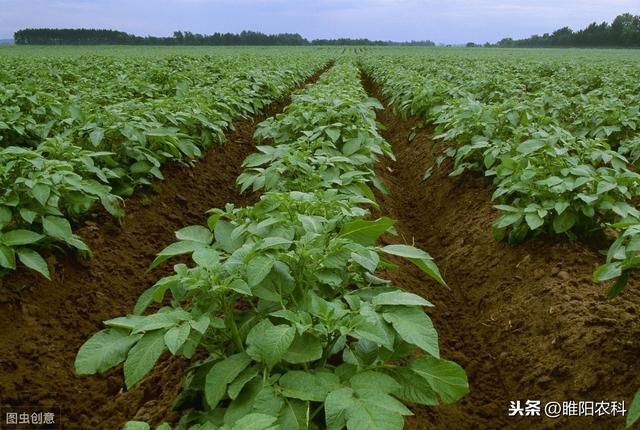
44,323
526,322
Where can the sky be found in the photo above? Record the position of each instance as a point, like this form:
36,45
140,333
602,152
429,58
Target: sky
453,21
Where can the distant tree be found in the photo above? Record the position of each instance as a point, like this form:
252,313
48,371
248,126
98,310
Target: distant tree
51,36
624,31
507,42
48,36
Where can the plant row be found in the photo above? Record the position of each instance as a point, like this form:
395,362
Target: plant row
72,136
559,140
282,303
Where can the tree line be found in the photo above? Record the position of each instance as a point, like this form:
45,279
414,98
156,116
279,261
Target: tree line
623,32
83,36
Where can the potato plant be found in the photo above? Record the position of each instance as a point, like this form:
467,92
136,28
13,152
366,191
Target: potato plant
283,303
559,140
42,193
75,133
559,145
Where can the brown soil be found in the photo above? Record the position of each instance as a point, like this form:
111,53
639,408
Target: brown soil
44,323
526,322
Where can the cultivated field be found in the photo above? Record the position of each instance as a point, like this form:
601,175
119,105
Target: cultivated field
311,238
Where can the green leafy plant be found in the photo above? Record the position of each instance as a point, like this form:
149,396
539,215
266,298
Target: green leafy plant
284,299
558,137
623,257
75,132
40,192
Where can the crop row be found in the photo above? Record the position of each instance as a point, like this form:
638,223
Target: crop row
79,132
559,139
283,303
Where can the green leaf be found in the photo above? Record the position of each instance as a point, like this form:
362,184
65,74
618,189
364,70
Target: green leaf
258,159
295,415
206,257
113,205
154,294
314,387
255,422
5,216
258,269
41,192
606,272
268,402
77,243
351,146
507,208
244,378
268,343
127,322
336,405
195,233
560,207
312,224
273,243
176,337
7,257
506,220
213,220
634,410
372,410
530,146
222,232
514,118
240,286
377,411
334,134
564,222
370,263
104,350
34,261
96,136
221,374
406,251
201,324
57,227
136,425
413,388
157,321
243,404
417,257
330,277
143,356
304,349
396,298
177,248
371,329
20,237
604,186
533,220
365,232
446,378
141,167
618,286
375,381
415,327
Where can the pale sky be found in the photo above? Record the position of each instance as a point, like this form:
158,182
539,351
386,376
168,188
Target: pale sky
455,21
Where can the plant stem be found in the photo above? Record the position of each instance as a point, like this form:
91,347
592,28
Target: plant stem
316,411
231,322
